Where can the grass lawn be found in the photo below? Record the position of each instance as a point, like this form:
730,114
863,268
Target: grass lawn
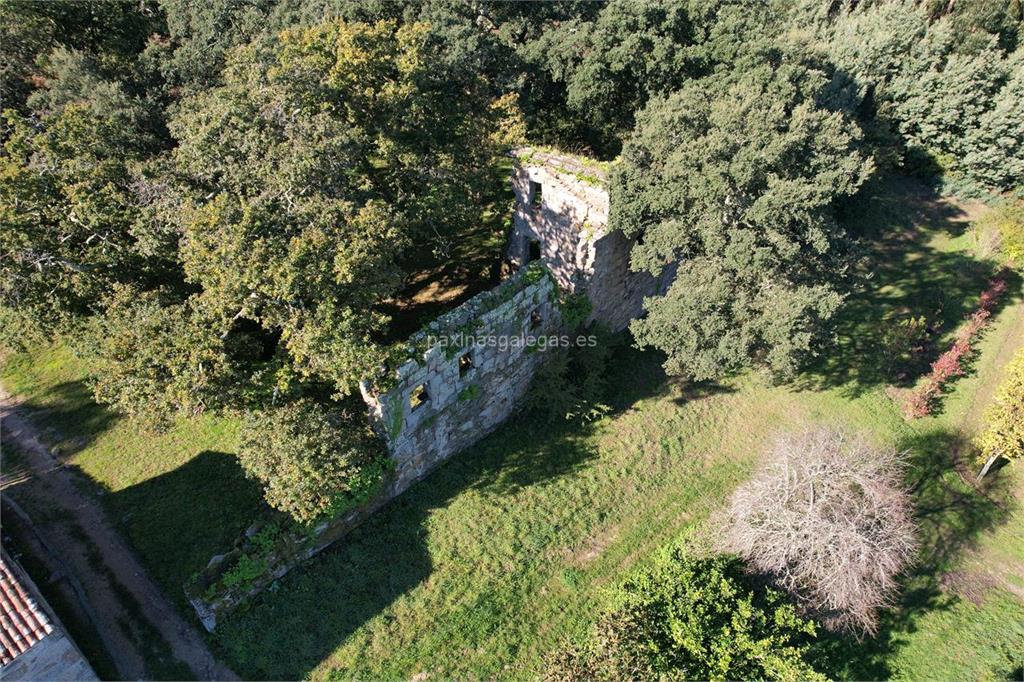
179,496
511,546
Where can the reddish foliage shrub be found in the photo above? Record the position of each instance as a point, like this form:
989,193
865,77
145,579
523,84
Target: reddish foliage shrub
974,324
918,402
996,287
948,364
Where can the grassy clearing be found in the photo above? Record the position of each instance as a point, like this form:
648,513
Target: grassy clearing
179,496
511,547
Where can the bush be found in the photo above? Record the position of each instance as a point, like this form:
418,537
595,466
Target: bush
1001,231
696,619
1004,419
572,383
903,342
827,518
918,402
312,460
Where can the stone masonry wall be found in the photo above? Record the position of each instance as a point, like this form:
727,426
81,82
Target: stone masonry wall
467,372
570,213
616,292
465,403
473,378
570,225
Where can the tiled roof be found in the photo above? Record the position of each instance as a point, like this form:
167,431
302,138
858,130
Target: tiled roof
22,621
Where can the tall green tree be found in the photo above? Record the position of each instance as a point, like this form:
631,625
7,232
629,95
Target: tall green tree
610,65
200,35
734,178
940,78
72,185
113,32
324,153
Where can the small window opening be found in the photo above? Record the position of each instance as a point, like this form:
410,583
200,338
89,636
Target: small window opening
536,194
534,251
418,397
465,363
535,320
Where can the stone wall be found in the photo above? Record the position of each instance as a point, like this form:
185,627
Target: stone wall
563,220
561,204
616,292
470,379
474,364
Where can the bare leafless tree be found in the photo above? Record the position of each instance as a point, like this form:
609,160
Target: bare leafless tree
827,518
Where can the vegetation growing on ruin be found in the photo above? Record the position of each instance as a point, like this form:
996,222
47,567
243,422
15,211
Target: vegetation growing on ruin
500,556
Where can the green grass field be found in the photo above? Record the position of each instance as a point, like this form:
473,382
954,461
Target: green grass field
179,496
512,546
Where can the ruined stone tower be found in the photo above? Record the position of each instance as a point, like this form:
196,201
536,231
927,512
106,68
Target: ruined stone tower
451,389
561,218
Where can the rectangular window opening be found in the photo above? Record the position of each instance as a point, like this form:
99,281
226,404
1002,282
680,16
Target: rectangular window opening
465,363
536,194
534,251
419,397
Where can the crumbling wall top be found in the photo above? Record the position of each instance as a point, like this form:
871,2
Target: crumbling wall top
589,171
575,190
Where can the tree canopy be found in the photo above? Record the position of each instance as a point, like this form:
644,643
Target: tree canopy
733,180
213,201
692,618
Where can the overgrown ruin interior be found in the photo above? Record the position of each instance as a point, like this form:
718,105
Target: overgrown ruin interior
447,397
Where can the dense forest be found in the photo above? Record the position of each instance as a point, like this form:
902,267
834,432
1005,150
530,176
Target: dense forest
212,200
214,204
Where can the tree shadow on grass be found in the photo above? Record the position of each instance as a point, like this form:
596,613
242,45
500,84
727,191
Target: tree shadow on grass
639,374
178,520
952,516
70,418
288,630
904,276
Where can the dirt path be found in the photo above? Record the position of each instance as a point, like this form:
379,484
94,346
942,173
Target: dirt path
77,529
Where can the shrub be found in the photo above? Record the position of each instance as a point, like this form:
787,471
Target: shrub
696,619
572,383
312,459
903,341
826,517
245,571
990,296
1009,222
1003,436
948,364
918,402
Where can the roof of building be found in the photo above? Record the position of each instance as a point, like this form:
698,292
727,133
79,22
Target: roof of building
22,621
